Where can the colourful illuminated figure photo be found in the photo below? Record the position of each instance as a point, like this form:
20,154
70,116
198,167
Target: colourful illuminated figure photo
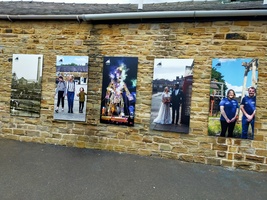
119,90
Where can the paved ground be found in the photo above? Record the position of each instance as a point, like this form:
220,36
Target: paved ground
75,116
31,171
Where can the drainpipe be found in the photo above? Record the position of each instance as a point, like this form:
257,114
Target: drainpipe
141,15
41,17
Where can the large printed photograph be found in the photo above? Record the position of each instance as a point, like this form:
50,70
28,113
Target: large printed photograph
233,97
71,88
119,90
26,85
172,92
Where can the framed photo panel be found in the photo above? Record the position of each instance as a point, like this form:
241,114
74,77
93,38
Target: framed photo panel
233,97
26,85
71,88
172,91
119,90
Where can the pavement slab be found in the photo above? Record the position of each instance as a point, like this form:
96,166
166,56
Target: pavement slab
31,171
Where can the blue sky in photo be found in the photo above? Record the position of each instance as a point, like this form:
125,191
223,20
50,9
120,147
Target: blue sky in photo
233,72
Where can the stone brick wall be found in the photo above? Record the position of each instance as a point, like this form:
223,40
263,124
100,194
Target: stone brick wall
201,41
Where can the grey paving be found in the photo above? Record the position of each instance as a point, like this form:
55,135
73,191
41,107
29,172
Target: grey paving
30,171
75,116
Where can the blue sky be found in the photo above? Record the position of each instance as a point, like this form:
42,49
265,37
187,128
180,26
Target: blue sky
233,72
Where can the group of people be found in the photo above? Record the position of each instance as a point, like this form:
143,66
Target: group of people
170,100
67,88
229,109
229,113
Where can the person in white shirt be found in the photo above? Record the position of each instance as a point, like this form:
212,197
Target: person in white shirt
176,101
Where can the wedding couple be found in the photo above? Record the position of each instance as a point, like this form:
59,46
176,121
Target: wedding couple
173,100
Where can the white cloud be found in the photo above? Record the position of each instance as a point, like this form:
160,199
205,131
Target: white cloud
237,89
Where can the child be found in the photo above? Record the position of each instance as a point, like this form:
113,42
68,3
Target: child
81,96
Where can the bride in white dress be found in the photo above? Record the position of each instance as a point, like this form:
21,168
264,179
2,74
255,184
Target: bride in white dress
164,115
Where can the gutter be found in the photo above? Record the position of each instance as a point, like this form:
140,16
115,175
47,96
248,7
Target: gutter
175,14
141,15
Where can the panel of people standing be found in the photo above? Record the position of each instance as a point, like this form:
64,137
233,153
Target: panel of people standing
229,109
67,88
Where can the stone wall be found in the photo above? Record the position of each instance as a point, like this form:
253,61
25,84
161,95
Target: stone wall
201,41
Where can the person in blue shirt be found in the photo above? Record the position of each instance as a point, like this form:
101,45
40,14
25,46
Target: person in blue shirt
248,108
229,111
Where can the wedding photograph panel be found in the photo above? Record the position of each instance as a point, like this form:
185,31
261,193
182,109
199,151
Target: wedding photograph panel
171,95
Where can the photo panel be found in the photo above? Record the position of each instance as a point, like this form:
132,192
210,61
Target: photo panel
26,85
233,97
172,92
71,88
119,90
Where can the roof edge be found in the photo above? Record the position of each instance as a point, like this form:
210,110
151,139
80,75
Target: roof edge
140,15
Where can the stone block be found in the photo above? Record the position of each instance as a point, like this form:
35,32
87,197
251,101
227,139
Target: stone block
139,145
261,152
113,141
252,158
247,150
32,133
220,147
161,140
144,152
213,161
186,158
261,167
244,165
169,155
147,139
165,147
79,144
84,138
199,159
227,163
18,131
238,156
153,147
25,138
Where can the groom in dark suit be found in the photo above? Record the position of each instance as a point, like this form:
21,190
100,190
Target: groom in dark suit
176,101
